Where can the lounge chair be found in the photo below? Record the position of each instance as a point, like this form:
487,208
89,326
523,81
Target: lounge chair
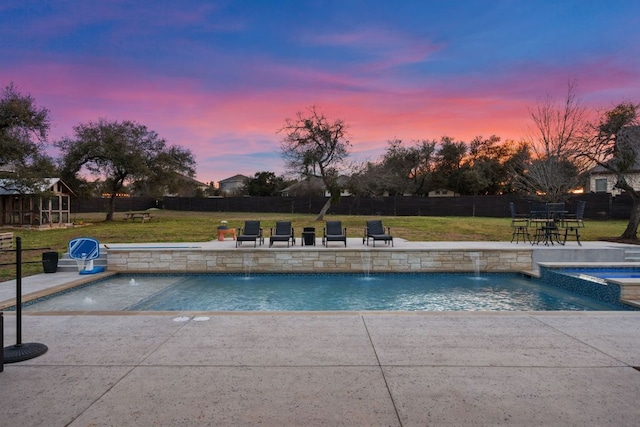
376,231
251,232
282,233
333,232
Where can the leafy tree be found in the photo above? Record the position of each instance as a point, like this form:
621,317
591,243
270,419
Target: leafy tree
313,145
614,144
481,167
449,161
403,169
264,184
24,127
515,165
369,179
487,167
124,153
409,168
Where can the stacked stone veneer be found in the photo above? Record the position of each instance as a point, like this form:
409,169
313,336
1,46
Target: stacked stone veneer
315,260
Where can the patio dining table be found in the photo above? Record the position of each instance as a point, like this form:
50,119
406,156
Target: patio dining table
546,222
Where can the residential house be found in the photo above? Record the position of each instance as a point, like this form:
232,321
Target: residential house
602,180
232,184
442,193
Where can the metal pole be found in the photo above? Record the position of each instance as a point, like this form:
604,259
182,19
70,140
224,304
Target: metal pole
1,342
18,291
20,352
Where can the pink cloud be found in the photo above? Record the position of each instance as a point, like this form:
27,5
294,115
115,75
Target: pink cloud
384,49
243,123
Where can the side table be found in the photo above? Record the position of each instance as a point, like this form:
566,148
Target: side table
224,232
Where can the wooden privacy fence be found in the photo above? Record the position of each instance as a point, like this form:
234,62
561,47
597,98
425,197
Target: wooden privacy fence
599,205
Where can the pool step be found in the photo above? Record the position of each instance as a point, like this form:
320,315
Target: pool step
632,255
629,289
68,264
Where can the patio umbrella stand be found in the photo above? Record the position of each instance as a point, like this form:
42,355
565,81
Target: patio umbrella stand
21,351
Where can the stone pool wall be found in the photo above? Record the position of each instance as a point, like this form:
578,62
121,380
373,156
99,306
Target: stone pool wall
317,260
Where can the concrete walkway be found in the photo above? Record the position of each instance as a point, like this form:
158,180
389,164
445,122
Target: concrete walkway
525,369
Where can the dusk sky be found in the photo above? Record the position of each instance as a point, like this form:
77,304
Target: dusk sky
221,77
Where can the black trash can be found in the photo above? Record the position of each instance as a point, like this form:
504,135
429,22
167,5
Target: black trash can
50,262
309,236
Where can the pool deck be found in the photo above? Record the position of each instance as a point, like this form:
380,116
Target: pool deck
292,369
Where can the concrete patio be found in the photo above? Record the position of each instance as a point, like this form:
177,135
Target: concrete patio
391,369
560,369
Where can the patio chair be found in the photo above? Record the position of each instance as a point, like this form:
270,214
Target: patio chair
572,223
548,230
251,232
519,225
375,230
282,233
547,218
333,232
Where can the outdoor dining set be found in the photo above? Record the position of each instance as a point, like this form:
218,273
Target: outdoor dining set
547,223
332,232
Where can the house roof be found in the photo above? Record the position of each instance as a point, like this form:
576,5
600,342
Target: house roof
9,187
234,179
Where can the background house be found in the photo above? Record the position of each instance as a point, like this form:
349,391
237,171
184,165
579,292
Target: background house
442,193
47,206
233,184
602,180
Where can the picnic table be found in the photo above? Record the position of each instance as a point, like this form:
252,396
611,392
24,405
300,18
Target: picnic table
143,216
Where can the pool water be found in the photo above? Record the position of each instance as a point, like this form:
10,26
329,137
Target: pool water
319,292
605,273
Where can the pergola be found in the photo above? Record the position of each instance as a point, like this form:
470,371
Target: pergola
48,207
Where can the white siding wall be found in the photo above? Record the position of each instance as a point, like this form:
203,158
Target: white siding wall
633,179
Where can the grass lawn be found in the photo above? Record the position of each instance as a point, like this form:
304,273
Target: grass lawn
177,226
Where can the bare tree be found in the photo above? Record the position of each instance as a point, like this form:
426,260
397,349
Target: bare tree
557,128
556,176
313,145
555,138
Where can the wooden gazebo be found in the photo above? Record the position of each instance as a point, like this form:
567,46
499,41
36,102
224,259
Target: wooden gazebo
47,208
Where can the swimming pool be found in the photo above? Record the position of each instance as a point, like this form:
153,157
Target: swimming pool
605,273
318,292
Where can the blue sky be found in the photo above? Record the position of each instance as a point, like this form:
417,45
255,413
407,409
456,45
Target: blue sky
221,77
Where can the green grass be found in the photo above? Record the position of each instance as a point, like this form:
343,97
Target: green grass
175,226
